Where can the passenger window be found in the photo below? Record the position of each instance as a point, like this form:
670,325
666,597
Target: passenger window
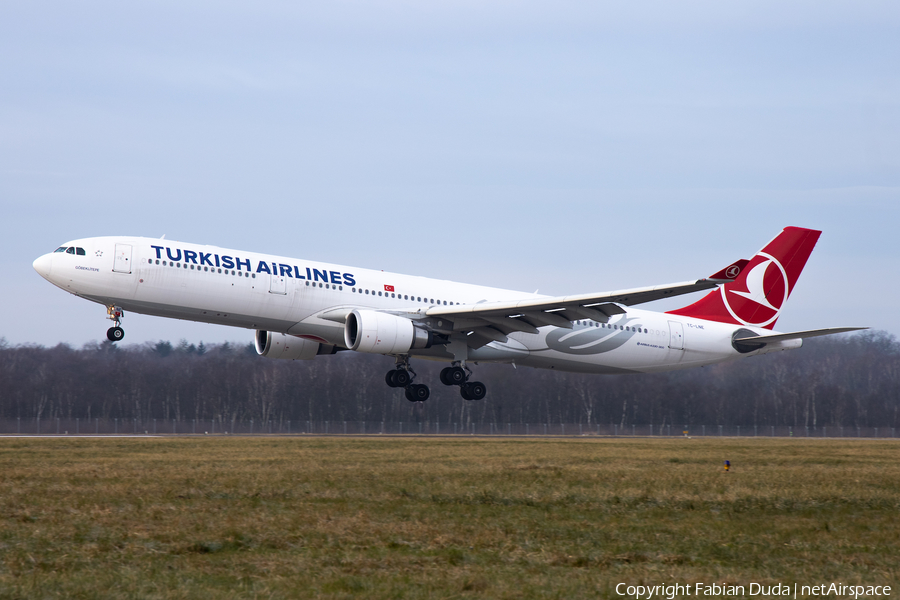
367,292
379,293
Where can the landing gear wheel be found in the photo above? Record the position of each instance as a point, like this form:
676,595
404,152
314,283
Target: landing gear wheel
397,378
401,378
417,392
114,334
473,390
453,376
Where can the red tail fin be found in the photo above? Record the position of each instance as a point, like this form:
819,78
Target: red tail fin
758,293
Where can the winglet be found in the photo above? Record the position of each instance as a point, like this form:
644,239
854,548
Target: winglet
730,272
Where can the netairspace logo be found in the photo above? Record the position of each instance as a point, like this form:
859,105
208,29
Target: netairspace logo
675,590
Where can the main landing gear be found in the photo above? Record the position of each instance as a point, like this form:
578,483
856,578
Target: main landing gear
457,375
402,377
115,314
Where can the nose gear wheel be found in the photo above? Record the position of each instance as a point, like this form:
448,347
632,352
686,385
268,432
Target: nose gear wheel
115,314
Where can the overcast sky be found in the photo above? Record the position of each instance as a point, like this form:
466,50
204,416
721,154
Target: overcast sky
567,147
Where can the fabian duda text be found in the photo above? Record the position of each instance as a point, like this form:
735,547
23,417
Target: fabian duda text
670,592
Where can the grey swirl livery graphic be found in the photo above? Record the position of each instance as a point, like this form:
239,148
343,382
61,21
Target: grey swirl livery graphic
590,340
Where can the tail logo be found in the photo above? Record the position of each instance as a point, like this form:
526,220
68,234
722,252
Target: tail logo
732,271
767,290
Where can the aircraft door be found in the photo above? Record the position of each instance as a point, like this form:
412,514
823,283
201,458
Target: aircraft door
676,335
278,284
122,263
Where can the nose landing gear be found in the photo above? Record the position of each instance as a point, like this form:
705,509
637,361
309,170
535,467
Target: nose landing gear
115,314
459,375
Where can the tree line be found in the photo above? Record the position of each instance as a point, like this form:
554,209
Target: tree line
838,381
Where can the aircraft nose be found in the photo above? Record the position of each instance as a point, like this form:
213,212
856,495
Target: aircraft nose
42,265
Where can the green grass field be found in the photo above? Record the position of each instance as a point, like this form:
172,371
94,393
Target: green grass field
219,517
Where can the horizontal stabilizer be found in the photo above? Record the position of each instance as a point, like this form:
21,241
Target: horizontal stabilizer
760,340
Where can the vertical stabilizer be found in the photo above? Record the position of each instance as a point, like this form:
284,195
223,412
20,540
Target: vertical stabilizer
760,290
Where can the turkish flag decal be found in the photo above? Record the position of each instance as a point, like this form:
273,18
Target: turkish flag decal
388,288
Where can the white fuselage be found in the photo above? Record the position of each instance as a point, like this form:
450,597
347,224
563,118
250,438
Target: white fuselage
278,294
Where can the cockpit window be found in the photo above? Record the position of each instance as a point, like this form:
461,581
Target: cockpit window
60,249
70,250
79,251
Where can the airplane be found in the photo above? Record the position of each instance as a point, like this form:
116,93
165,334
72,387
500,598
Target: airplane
300,309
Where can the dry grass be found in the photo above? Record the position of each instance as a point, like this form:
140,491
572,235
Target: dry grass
447,518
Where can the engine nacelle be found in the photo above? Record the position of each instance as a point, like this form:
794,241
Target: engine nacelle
289,347
381,333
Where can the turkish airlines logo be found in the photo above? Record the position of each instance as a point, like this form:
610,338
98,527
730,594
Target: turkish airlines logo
767,291
732,271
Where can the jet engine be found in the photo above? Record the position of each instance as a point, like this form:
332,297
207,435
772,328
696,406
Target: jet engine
289,347
382,333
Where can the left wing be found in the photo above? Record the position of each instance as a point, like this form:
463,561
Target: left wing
488,322
493,321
